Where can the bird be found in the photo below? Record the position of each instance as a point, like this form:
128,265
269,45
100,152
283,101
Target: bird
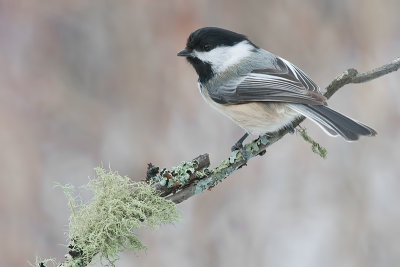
259,91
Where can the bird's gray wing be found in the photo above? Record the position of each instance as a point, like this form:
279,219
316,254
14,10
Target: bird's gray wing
283,82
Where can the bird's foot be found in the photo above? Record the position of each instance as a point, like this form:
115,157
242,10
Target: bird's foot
238,146
245,154
290,127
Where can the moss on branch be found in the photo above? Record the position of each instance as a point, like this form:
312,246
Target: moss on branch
104,226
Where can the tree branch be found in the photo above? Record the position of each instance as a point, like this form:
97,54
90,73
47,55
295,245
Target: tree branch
203,178
352,76
192,177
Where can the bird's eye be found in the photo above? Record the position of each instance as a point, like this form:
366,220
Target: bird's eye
207,47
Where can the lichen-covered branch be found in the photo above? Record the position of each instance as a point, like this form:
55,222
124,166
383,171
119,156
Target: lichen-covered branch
177,184
352,76
208,178
103,227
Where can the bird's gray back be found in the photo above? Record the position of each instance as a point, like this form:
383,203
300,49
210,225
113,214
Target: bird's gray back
262,59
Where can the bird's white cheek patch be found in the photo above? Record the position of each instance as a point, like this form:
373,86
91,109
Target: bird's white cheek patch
223,57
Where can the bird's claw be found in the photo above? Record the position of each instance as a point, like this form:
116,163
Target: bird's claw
240,148
291,128
237,146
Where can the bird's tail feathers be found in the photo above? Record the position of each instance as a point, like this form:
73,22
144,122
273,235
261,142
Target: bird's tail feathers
334,123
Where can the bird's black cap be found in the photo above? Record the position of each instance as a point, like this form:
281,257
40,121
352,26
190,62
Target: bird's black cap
210,37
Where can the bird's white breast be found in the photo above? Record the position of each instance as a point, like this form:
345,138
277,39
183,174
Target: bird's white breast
256,117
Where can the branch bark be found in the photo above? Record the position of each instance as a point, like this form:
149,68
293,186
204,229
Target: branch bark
210,178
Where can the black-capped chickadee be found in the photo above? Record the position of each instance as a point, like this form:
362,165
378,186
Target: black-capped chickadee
258,90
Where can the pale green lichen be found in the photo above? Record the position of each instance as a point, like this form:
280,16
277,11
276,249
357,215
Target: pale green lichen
223,170
202,173
163,180
104,226
233,156
251,147
182,172
263,140
315,147
178,175
203,185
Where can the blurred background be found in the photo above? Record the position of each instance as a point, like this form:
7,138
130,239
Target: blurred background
85,83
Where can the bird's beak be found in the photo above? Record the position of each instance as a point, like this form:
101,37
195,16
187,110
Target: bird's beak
184,53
